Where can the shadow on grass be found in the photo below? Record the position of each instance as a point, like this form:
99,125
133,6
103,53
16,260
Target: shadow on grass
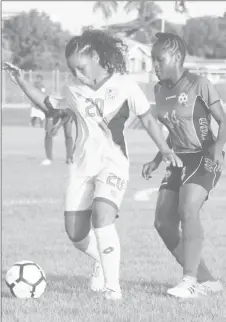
145,286
67,284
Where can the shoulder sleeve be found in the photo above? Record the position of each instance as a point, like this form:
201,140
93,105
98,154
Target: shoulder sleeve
208,91
137,100
58,102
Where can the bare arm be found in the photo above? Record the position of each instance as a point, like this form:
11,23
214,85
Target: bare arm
220,116
158,157
33,93
153,129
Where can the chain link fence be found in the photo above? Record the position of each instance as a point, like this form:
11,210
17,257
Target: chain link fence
12,96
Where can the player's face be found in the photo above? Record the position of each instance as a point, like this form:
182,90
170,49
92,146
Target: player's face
164,63
85,67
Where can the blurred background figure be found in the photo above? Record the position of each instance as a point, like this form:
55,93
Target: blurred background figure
37,116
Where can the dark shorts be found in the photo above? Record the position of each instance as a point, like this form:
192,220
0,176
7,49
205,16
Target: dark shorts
198,168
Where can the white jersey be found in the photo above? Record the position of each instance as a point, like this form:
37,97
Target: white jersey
101,115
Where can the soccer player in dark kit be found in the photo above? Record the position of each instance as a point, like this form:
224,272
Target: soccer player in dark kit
185,103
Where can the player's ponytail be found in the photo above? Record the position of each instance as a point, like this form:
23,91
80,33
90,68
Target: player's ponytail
111,50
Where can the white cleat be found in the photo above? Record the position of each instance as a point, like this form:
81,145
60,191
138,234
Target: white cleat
97,281
211,287
46,162
113,295
187,288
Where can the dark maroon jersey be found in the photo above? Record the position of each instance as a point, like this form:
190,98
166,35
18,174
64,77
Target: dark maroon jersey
184,109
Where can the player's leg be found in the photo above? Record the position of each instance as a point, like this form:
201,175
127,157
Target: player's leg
33,121
192,196
68,141
167,220
108,196
191,199
48,143
78,204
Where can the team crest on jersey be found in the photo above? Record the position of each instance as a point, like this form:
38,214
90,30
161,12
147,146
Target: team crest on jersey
110,93
183,98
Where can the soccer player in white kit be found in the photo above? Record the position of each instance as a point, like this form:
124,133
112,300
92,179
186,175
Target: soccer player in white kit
100,100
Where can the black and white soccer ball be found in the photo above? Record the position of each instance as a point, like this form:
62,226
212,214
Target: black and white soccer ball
26,280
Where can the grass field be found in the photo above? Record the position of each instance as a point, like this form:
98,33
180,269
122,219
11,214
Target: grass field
33,229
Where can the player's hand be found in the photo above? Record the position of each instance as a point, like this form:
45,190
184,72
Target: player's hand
148,168
172,158
217,156
14,72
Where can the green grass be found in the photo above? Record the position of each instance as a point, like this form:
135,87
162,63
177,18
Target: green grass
33,229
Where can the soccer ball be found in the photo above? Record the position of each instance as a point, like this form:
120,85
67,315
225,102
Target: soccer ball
26,280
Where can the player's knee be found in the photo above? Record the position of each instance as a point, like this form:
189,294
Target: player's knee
76,228
160,221
104,214
187,212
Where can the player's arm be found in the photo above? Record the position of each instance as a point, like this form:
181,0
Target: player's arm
219,115
30,90
39,98
140,105
158,158
152,127
212,98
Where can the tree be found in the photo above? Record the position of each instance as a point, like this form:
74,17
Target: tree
36,41
206,37
6,52
106,7
147,13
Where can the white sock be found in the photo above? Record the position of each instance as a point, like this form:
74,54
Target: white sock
89,246
109,249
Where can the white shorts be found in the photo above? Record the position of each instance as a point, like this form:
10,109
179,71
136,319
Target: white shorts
108,185
35,112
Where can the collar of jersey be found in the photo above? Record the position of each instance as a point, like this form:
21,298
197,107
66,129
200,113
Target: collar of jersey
172,85
101,84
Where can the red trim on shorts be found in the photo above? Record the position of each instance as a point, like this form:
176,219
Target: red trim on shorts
107,201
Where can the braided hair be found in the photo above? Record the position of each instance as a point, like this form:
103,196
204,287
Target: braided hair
111,50
171,43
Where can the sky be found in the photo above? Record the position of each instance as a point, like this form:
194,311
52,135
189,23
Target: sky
74,14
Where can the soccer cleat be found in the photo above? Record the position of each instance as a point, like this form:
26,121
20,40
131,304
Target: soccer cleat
113,295
46,162
186,289
211,287
97,281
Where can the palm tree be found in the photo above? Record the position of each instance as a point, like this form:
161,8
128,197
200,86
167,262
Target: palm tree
106,7
147,13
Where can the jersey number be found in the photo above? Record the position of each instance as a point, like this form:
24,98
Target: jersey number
172,119
95,107
116,182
